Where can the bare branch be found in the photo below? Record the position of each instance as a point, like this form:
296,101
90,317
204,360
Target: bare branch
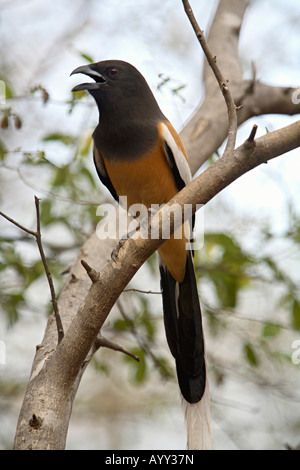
102,342
212,60
142,291
38,237
141,340
31,232
208,127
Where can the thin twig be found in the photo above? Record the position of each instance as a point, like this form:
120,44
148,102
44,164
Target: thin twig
212,60
59,325
17,224
142,342
140,291
38,238
102,342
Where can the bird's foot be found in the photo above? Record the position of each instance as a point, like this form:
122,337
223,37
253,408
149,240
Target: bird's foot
115,252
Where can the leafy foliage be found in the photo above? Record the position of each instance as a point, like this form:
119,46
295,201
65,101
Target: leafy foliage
232,271
69,204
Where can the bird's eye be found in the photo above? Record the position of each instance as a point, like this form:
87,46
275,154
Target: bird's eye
113,72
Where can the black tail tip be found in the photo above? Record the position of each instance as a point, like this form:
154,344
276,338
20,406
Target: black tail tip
192,388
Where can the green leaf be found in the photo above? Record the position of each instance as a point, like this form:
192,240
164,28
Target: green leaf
270,330
227,267
226,287
100,366
57,136
85,145
121,325
3,150
250,355
178,88
148,325
231,250
45,212
164,368
296,314
152,263
89,176
144,320
12,259
216,321
139,368
75,98
9,91
11,304
279,275
85,56
34,272
164,80
60,176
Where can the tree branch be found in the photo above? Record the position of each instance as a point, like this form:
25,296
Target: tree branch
212,61
134,252
30,232
64,365
141,341
208,128
38,237
102,342
56,372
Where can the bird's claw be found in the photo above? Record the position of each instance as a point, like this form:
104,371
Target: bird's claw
115,252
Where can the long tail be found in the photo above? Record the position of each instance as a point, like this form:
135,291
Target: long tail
197,417
184,332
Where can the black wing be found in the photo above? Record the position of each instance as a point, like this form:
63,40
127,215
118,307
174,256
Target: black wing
102,173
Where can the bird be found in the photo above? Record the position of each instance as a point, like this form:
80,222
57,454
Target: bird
138,154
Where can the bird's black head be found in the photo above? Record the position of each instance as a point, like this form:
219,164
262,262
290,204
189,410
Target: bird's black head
118,85
106,74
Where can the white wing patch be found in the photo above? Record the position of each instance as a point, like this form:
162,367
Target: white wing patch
180,160
99,162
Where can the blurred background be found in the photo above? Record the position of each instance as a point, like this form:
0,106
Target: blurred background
248,269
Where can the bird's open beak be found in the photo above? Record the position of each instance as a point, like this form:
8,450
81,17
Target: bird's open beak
87,70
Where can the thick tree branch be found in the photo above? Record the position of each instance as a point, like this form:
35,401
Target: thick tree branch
208,127
134,252
56,378
56,372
